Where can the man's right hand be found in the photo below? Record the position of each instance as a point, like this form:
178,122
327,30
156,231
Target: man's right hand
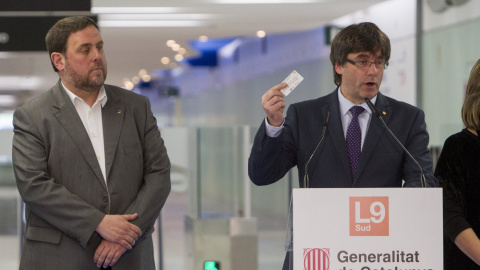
118,229
273,104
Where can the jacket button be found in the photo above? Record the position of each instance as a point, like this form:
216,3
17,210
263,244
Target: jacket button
105,198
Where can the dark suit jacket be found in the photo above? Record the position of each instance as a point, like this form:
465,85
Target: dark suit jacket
383,162
60,181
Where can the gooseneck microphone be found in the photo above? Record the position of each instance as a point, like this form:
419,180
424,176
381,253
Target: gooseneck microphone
306,180
379,116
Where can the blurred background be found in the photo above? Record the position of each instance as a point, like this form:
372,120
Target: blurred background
205,64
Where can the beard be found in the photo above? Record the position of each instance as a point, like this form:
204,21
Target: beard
85,82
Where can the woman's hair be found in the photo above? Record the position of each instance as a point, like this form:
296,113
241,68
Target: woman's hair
471,105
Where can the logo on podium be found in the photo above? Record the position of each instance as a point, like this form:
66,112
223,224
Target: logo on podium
369,216
316,259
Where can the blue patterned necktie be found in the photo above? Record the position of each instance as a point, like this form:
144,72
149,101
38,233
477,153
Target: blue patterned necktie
354,140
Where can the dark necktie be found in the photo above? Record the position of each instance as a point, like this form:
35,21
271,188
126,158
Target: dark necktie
354,140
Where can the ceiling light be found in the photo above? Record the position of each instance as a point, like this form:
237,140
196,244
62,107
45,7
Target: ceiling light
130,10
146,78
182,51
175,47
102,23
142,72
128,85
261,33
178,57
264,1
19,82
170,42
136,79
7,100
154,17
165,60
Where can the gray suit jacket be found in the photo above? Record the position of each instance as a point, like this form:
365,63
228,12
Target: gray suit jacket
383,162
60,181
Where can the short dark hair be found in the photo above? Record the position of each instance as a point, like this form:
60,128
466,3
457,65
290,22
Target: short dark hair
57,36
362,37
471,105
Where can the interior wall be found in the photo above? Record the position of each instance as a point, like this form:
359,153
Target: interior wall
240,103
450,49
231,93
397,19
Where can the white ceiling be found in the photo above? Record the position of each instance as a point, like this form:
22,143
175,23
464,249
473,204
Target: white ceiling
129,49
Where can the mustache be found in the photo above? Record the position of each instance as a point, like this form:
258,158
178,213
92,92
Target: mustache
101,66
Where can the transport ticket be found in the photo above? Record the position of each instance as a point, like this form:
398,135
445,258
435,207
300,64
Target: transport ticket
292,81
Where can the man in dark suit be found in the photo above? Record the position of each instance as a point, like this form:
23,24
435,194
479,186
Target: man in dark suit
357,150
89,161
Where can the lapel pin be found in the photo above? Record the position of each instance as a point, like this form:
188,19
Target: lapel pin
120,111
384,113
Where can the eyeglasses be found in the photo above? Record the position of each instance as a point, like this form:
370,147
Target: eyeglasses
379,64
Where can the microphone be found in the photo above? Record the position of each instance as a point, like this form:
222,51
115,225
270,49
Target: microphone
306,184
306,180
379,116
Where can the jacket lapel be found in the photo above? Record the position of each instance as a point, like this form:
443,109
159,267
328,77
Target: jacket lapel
67,115
112,118
336,129
375,131
333,132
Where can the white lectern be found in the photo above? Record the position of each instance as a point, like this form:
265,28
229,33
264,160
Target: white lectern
367,229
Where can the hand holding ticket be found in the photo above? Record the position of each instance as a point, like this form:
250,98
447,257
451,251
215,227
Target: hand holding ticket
292,81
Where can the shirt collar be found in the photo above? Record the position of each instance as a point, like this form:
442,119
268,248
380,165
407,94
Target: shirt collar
346,104
102,96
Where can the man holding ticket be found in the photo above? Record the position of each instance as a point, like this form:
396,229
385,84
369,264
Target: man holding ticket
336,140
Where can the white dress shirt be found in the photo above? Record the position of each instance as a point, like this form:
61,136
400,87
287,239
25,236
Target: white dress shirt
363,118
92,121
345,105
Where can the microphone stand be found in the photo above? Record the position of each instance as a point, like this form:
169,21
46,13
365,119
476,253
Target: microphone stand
306,180
377,114
306,184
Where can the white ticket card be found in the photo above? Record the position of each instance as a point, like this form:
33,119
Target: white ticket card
292,81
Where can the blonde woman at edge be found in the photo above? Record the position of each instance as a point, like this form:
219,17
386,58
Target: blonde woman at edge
458,170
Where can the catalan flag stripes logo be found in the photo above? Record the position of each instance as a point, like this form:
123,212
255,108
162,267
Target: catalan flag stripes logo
316,259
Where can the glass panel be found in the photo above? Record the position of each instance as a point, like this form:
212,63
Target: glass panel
9,211
270,206
7,177
219,165
209,176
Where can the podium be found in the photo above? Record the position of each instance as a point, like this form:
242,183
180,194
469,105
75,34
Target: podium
367,229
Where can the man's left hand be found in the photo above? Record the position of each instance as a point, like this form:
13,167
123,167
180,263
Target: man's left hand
108,254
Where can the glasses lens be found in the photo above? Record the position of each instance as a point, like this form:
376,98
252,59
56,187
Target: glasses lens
363,63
